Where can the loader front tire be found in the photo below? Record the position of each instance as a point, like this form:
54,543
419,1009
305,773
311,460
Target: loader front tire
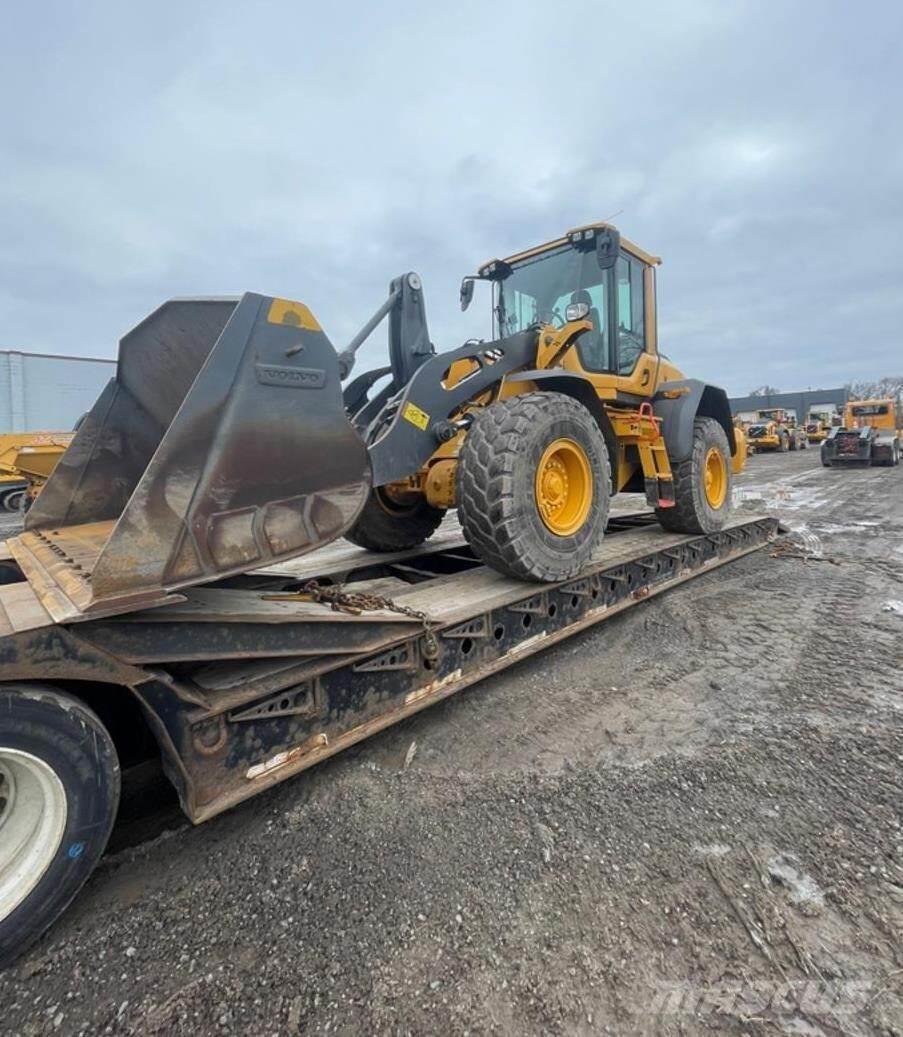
59,791
387,525
702,483
533,486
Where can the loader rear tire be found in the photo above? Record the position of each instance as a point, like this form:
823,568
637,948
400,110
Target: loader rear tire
533,486
59,791
385,525
702,483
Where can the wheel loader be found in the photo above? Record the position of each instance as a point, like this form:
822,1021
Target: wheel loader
818,426
870,435
527,435
774,429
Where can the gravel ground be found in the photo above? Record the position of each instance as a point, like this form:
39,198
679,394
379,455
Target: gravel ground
687,820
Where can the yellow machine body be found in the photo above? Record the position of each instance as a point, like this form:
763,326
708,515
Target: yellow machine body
641,448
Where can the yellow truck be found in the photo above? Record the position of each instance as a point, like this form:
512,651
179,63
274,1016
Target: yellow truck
870,435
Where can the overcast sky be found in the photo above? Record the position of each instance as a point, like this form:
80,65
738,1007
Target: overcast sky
317,150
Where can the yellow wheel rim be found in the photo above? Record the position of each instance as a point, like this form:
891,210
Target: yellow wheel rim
715,478
564,487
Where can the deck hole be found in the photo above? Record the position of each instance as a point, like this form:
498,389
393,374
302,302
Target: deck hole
466,646
499,632
526,620
428,664
553,608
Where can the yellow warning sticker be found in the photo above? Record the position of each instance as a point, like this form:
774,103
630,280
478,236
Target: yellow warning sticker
416,416
295,314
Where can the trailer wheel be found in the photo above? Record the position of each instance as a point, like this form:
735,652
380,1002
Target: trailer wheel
533,486
387,525
702,484
59,790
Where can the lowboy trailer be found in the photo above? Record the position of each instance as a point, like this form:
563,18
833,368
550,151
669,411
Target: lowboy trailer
245,683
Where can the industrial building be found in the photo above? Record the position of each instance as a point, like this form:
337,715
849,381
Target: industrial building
799,404
41,392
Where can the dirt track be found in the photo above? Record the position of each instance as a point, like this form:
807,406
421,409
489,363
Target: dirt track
685,821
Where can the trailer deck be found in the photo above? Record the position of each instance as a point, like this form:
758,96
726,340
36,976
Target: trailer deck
248,681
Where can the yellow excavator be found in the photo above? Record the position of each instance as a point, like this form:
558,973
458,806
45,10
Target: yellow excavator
227,441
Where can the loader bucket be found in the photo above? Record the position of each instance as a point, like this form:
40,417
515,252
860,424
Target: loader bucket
220,446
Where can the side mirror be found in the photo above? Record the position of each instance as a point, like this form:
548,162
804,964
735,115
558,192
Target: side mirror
466,292
608,244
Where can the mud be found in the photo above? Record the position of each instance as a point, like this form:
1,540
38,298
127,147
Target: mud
685,821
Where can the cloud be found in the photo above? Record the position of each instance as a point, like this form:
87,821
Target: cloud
317,152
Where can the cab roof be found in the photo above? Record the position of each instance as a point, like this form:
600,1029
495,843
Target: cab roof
628,246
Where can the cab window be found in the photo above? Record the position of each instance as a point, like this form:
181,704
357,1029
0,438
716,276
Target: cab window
631,313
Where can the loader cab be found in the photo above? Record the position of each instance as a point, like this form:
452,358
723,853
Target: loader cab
611,281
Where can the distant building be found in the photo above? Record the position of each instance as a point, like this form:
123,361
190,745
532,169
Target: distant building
40,392
799,404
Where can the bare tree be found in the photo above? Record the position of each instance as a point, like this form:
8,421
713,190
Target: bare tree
765,390
889,388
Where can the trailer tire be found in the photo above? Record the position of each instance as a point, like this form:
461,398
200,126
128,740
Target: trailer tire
533,486
384,525
698,509
59,792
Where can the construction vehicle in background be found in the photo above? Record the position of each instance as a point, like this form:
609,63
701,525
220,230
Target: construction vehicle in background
27,460
818,425
226,447
870,435
776,430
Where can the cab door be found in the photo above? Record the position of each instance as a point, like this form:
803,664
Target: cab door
636,359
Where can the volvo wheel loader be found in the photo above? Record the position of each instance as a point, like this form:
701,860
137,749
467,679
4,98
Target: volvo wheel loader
528,435
226,440
226,446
